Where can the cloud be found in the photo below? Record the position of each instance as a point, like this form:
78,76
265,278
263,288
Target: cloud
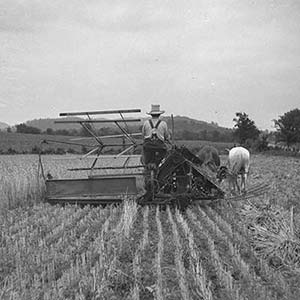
92,54
112,16
3,104
22,16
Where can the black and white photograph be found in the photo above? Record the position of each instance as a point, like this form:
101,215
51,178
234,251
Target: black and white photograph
149,150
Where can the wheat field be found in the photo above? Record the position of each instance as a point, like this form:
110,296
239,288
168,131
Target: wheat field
232,250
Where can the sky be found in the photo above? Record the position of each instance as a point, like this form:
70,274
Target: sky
205,59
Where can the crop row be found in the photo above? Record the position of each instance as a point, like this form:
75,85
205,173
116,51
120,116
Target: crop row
130,252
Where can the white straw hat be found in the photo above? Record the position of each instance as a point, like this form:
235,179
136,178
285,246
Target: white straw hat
155,110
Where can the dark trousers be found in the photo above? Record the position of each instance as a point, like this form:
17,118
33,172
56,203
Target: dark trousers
153,151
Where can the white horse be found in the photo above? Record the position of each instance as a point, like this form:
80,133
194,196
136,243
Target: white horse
238,164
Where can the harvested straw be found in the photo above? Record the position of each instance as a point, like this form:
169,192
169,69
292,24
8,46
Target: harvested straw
272,236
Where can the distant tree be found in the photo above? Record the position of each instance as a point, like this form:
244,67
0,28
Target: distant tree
8,129
288,127
35,149
84,149
71,150
261,144
60,150
49,131
245,128
11,151
23,128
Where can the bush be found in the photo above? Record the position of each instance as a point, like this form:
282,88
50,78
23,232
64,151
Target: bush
11,151
48,151
60,151
84,150
260,144
35,150
71,151
23,128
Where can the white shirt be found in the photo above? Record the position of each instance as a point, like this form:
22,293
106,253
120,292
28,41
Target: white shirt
162,131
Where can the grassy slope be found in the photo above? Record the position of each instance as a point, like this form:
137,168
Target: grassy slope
24,143
181,123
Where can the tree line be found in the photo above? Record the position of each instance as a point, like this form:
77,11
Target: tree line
184,134
244,131
287,130
23,128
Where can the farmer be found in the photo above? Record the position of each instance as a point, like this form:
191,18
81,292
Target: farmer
155,134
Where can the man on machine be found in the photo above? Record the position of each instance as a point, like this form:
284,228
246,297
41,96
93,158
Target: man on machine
155,134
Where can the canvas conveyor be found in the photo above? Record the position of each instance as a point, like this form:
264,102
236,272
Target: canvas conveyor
92,190
95,188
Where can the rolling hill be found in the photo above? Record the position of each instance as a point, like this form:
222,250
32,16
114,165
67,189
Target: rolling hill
43,124
183,126
191,132
3,125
